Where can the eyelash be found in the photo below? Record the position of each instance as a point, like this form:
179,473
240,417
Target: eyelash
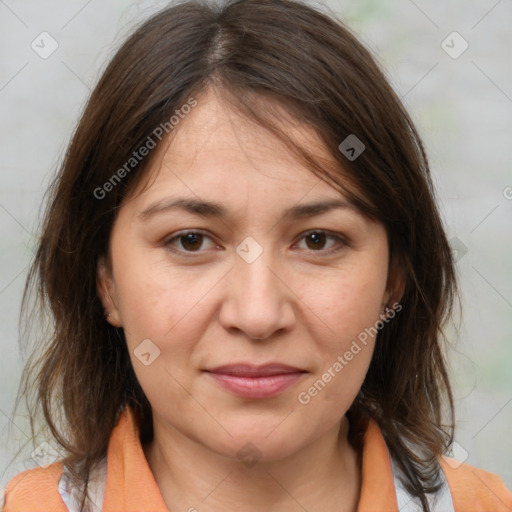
322,252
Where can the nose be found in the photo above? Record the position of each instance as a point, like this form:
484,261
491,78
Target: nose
258,298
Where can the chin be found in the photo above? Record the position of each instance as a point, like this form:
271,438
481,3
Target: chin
264,442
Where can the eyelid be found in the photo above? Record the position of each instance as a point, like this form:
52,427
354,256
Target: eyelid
342,242
167,241
341,239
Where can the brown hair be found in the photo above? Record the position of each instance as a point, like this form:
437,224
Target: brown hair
312,66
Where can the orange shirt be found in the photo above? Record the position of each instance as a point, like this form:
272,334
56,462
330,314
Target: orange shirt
131,487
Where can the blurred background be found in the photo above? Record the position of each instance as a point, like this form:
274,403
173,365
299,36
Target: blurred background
450,63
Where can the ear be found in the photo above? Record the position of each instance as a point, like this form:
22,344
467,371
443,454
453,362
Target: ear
105,287
395,286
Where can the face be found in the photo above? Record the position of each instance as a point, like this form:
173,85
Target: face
268,281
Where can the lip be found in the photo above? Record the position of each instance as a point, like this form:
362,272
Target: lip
252,370
250,381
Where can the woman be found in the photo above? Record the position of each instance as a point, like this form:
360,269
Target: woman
248,277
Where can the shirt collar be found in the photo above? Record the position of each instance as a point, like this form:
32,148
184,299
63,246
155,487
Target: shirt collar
130,484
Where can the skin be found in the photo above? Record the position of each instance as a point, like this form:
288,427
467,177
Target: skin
298,303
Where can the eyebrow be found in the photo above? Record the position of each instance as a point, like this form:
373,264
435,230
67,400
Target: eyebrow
209,209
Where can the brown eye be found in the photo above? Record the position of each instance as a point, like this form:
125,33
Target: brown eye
191,241
316,240
188,242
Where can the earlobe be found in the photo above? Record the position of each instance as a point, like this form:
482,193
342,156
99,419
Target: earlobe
106,292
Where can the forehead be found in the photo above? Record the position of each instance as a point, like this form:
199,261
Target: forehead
217,152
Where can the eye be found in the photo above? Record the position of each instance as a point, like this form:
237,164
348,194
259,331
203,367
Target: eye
190,241
315,241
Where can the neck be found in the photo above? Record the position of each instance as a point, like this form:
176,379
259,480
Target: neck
325,475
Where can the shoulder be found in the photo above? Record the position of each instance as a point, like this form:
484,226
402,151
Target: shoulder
36,488
475,488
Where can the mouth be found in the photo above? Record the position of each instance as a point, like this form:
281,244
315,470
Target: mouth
250,381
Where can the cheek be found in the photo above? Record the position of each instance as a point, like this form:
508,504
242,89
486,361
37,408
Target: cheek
347,318
154,307
350,301
162,302
145,288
